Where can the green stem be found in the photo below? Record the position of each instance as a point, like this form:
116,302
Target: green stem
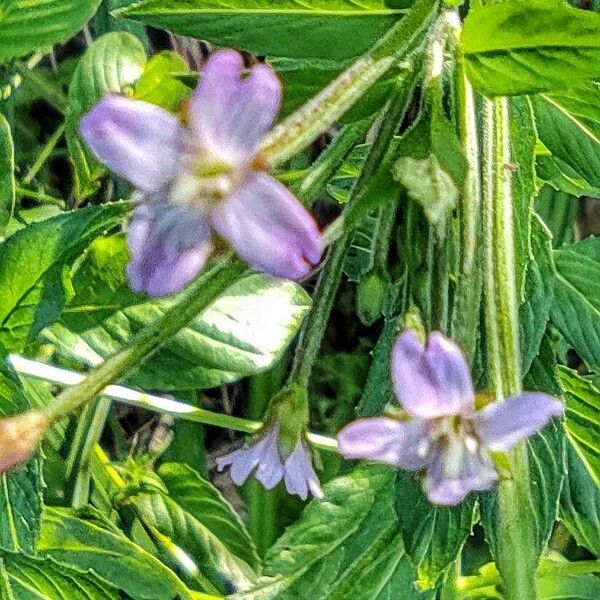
315,325
39,196
467,304
302,127
198,296
516,551
44,154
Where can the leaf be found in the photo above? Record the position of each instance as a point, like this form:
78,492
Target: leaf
20,491
576,309
189,533
568,125
110,65
568,587
29,578
348,541
546,452
580,503
205,504
333,30
109,555
583,419
34,294
558,211
534,312
158,83
433,535
7,176
27,25
244,332
528,46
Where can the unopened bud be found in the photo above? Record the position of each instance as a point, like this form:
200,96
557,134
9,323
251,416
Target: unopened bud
19,438
370,298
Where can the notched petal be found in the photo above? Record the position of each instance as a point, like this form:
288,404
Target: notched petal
431,381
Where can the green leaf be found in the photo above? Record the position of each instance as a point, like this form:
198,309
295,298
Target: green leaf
33,295
110,65
333,30
583,419
244,332
109,555
29,578
433,535
349,541
200,499
568,125
7,176
568,587
528,46
534,311
158,83
27,25
580,503
576,309
20,491
192,533
558,211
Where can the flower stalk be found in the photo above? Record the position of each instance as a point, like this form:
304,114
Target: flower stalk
516,555
198,296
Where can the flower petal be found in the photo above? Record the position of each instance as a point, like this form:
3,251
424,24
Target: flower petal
401,444
502,424
300,477
232,108
270,470
448,486
137,140
432,381
169,245
269,228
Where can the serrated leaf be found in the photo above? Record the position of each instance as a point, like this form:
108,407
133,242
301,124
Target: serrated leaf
7,177
583,419
28,578
580,503
558,210
348,541
110,65
205,503
33,295
433,535
244,332
20,491
568,125
528,46
576,309
334,30
109,555
27,25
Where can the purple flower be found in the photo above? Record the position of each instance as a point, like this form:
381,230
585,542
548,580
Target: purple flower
201,182
271,464
445,435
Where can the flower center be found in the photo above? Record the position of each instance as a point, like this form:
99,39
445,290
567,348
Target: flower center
206,180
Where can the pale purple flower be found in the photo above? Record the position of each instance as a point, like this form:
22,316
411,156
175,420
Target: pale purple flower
444,435
271,464
203,181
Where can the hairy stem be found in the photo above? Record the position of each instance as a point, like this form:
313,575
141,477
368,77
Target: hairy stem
198,296
516,554
319,113
313,330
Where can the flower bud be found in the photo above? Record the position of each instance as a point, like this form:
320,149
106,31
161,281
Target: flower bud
370,297
19,438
